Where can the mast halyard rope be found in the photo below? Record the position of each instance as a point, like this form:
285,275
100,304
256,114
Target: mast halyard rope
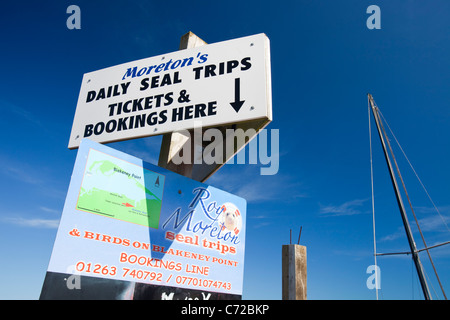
417,176
373,205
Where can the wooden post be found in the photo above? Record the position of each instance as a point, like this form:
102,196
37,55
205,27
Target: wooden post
293,272
173,142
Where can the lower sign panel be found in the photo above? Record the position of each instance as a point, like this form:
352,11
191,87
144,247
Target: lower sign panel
132,230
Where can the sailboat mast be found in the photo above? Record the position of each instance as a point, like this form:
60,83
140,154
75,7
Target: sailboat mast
412,245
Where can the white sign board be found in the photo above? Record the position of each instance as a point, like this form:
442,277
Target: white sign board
217,84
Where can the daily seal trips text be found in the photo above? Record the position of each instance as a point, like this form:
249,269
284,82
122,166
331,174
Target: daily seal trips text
159,108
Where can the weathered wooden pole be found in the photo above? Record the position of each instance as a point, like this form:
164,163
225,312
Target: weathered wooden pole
173,142
294,272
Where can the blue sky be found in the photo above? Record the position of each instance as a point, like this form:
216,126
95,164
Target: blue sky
324,62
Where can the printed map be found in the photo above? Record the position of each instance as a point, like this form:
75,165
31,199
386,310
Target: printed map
121,190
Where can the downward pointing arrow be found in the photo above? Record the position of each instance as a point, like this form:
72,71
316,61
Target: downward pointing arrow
237,104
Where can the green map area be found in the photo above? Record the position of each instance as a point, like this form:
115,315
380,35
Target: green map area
121,190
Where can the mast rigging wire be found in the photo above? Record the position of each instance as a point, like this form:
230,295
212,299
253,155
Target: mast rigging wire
410,205
417,176
406,193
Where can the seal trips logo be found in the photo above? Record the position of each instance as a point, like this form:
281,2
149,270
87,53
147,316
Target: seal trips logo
220,229
230,218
